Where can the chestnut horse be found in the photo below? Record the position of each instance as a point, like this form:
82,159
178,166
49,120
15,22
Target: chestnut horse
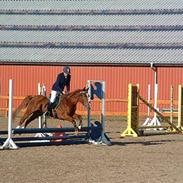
38,105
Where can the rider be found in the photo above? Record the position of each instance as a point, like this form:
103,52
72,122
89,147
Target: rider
62,81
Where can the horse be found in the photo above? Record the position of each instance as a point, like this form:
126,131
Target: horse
37,105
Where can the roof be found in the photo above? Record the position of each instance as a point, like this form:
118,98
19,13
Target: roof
102,32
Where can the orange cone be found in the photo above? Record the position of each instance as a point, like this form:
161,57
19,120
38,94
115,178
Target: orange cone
58,134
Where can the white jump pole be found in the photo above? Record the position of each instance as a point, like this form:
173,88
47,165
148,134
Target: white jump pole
40,117
103,109
9,144
89,101
43,92
171,104
155,121
180,108
148,120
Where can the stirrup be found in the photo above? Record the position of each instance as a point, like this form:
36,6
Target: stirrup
48,113
54,113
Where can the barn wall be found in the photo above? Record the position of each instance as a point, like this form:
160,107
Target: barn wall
117,78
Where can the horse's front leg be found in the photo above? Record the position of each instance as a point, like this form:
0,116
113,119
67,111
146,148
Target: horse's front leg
72,120
78,117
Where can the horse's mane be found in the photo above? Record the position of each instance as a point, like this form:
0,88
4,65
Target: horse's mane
71,94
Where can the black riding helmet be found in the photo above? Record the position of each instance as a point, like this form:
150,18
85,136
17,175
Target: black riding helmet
67,70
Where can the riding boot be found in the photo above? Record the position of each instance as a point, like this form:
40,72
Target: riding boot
50,107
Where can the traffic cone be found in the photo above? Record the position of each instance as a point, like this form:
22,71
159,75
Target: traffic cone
58,134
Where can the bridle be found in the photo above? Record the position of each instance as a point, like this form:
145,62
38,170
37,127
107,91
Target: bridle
83,99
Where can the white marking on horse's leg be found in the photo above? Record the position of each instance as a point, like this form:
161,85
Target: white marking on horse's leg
18,127
79,127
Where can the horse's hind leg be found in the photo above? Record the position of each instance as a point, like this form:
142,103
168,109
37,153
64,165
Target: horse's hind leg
30,118
78,117
26,115
23,119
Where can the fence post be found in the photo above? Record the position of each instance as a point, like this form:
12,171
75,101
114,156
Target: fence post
9,144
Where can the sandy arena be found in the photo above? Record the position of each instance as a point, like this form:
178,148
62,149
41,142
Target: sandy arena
150,159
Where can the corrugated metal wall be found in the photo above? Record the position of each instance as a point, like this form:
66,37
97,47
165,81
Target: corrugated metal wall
26,79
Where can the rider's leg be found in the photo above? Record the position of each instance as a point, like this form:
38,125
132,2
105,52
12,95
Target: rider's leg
52,100
53,96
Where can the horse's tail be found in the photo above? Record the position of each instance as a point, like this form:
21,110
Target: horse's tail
23,105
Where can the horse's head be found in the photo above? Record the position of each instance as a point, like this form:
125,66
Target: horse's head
84,97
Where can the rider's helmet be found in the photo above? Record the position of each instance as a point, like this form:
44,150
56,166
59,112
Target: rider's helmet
67,70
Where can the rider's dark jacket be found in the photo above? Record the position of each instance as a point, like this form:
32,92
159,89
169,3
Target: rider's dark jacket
61,82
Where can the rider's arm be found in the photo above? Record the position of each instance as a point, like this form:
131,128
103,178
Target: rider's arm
68,84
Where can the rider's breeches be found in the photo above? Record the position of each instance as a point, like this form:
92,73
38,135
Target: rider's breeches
53,96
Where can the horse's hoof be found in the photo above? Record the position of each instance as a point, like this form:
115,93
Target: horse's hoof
79,127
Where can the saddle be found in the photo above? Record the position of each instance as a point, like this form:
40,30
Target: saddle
53,106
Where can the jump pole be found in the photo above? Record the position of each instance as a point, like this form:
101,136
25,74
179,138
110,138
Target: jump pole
148,119
9,144
41,119
103,139
89,108
159,114
103,110
171,104
180,107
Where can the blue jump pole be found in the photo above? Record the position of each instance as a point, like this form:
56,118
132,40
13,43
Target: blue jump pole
76,137
42,130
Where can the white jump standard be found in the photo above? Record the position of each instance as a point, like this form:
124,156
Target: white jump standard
9,143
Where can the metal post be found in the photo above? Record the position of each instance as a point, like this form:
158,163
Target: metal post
89,101
148,120
39,118
44,122
171,104
103,108
155,91
149,99
155,121
180,107
9,144
155,98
